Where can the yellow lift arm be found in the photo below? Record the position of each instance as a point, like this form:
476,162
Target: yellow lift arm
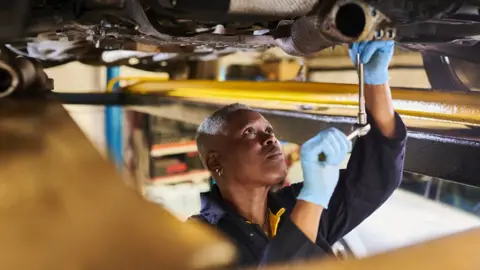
342,98
453,252
444,128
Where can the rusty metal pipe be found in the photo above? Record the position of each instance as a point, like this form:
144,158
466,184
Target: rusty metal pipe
291,8
336,22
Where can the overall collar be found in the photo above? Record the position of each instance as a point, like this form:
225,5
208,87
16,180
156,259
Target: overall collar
214,208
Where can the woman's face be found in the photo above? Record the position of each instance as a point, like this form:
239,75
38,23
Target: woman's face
252,154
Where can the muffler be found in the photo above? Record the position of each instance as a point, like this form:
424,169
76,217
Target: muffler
334,23
277,8
242,8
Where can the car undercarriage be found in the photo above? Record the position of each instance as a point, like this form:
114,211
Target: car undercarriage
54,32
300,27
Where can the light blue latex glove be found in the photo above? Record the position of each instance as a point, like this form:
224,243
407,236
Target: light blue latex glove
375,56
321,178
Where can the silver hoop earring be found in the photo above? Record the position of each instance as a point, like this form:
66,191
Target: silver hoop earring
219,172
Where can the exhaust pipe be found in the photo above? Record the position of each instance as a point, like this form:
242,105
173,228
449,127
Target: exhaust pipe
9,80
19,74
336,22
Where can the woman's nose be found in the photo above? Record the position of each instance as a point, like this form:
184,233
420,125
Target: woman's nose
269,139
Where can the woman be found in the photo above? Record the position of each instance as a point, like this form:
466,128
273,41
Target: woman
302,221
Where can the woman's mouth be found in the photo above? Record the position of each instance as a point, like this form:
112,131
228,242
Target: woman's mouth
275,155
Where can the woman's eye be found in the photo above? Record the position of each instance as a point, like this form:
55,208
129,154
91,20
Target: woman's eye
269,131
249,131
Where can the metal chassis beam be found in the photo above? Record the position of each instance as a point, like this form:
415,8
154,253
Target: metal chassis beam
445,157
451,155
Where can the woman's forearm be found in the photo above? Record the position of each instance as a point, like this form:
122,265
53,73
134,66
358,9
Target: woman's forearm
306,216
378,99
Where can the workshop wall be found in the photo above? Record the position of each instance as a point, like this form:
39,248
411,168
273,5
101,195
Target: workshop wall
77,77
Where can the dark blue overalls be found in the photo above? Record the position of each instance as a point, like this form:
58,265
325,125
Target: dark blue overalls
373,173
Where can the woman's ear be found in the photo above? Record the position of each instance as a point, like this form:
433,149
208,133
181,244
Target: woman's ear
212,162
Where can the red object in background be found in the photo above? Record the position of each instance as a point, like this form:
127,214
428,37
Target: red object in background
192,154
173,145
176,168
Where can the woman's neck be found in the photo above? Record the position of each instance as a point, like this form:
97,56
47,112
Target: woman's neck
250,203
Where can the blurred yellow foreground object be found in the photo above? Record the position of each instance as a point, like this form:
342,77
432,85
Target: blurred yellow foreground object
457,252
64,207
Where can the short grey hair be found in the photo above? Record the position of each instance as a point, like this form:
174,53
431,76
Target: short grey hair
215,124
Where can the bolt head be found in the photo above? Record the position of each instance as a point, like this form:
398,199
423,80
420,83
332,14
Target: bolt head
390,33
379,33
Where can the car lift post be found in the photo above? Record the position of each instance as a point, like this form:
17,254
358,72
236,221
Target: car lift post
114,123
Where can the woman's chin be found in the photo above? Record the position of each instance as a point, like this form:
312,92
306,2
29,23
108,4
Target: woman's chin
275,177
